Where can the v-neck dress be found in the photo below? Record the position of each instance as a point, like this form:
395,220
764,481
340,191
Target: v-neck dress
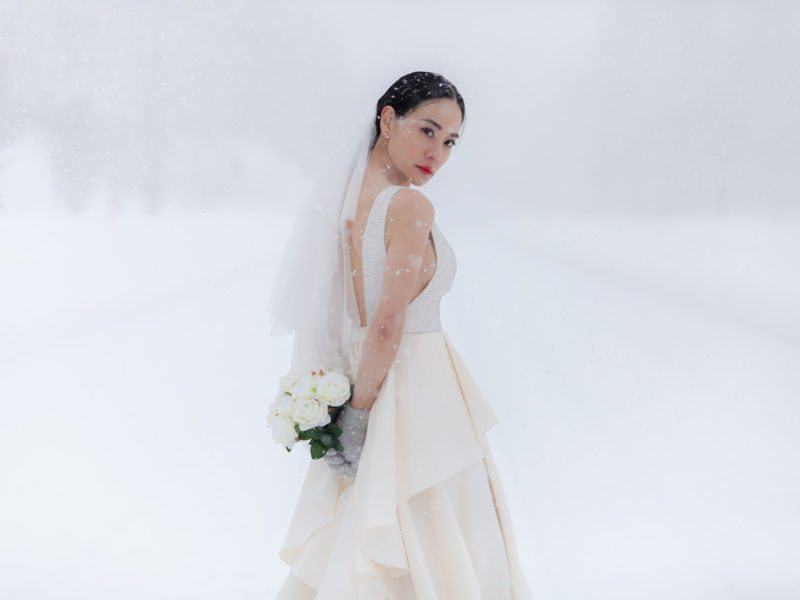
426,516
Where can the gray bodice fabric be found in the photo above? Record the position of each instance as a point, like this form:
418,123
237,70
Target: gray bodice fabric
422,313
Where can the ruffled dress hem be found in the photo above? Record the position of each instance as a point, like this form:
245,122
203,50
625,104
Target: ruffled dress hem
425,517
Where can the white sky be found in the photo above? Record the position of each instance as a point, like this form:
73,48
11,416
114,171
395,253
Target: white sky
610,107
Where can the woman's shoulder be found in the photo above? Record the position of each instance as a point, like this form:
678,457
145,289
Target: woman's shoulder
409,214
410,204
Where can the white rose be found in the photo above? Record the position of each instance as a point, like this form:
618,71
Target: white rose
310,412
333,388
305,386
283,431
288,381
282,405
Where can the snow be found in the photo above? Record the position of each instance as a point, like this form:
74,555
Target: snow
644,371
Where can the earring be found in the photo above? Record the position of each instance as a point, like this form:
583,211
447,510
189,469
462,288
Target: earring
388,166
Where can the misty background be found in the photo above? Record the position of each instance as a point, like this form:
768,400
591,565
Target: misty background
624,204
610,107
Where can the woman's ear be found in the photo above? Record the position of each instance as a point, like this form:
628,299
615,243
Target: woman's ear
387,119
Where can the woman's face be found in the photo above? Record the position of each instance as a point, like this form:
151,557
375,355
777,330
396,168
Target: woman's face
420,142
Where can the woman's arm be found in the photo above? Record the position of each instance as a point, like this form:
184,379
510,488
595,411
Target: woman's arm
409,219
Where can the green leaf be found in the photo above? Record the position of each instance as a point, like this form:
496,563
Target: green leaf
335,429
317,450
327,440
338,445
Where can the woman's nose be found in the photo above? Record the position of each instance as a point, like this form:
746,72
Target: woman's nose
434,154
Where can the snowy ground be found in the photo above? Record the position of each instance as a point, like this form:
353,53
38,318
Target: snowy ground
645,373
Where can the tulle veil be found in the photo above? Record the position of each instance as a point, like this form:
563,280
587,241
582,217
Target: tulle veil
312,294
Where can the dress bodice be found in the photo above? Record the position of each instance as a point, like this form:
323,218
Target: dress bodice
422,313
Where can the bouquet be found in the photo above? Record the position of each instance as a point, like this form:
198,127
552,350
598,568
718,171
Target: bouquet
306,407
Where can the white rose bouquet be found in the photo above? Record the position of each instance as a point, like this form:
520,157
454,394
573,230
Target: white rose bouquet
305,409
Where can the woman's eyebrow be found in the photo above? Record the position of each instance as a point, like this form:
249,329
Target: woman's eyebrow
439,126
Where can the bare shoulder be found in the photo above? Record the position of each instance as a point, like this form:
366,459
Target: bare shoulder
410,205
409,217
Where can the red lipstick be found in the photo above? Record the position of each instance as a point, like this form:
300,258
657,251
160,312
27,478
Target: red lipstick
425,170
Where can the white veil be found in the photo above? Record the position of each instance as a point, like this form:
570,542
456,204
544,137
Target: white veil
312,295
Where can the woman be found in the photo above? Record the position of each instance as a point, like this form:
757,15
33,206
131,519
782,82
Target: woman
412,507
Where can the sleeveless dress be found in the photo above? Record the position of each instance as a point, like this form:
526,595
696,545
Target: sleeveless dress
425,517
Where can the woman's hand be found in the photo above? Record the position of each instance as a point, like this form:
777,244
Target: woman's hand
353,422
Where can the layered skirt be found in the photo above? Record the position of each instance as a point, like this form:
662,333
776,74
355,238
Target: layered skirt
425,517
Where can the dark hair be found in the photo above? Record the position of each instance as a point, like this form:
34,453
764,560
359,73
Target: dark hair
411,90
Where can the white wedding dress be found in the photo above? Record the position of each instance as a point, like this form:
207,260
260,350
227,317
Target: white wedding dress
425,517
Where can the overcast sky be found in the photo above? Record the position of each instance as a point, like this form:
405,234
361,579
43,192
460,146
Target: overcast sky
605,107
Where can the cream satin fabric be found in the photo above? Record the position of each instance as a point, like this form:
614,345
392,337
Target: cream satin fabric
425,517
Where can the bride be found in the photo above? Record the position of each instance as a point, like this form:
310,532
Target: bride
412,507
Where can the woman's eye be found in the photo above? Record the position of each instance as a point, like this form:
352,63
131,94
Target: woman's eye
427,130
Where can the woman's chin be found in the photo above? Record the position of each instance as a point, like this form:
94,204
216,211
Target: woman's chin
420,181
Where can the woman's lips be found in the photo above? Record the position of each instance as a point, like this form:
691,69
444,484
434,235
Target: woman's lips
425,170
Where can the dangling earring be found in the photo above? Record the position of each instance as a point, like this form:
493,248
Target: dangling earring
388,166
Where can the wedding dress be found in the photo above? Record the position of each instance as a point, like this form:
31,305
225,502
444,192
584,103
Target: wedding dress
425,516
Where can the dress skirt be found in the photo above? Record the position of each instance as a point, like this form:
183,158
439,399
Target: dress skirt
425,517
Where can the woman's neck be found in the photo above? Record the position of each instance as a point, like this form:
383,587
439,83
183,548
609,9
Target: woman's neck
380,172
